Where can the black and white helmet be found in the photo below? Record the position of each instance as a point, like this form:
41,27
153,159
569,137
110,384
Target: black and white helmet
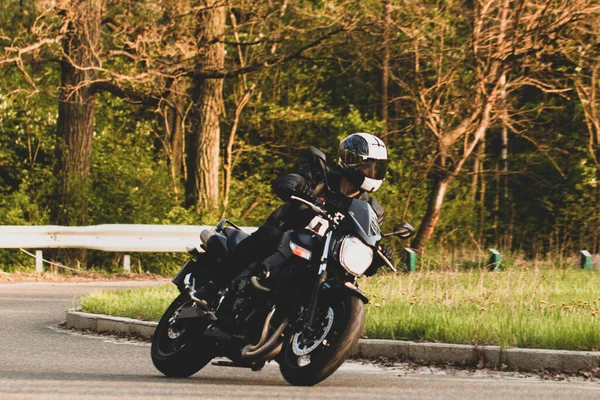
363,160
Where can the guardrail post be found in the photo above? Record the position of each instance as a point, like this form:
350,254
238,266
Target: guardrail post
39,262
494,263
586,260
410,260
126,263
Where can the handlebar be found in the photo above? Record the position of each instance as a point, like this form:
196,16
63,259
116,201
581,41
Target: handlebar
308,203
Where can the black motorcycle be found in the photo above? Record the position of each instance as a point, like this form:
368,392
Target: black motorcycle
300,306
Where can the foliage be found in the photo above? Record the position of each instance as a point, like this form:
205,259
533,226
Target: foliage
330,89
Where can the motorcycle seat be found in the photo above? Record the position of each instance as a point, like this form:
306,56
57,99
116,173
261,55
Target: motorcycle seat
234,237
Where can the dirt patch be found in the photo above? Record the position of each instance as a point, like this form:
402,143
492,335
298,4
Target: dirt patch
76,277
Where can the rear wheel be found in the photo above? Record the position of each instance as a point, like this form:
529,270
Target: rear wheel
178,349
310,356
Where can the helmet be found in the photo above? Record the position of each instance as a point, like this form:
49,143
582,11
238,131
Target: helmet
363,160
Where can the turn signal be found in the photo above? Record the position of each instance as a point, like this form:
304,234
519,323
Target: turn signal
300,251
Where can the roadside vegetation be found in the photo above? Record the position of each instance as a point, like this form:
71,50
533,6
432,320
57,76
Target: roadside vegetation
551,308
182,112
142,303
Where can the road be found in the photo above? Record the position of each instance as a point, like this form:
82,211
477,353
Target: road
39,360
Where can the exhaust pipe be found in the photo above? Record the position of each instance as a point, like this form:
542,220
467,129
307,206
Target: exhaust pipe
269,347
263,336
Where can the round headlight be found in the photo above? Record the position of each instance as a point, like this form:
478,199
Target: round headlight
355,256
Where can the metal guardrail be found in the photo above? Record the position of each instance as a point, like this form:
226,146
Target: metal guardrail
110,237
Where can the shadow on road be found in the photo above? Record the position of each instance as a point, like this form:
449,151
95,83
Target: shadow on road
253,380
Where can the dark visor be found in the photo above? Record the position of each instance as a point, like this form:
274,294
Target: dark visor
374,169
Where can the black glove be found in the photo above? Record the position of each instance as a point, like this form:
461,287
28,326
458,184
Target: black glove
305,192
388,252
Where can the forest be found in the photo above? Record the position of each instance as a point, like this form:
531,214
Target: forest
183,111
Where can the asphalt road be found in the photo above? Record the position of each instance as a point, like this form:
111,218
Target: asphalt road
38,360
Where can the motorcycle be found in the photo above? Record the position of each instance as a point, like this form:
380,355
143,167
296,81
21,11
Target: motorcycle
308,319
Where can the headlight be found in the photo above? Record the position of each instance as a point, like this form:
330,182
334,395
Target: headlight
355,256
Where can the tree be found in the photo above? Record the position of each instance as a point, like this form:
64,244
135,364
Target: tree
461,57
75,125
581,47
207,95
145,68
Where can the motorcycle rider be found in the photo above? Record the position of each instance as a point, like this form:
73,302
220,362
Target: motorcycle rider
361,168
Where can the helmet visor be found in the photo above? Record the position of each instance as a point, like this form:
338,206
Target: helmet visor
374,169
350,158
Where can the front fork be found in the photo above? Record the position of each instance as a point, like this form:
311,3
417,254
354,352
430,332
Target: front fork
321,278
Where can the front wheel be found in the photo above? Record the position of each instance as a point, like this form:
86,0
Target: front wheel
178,349
309,357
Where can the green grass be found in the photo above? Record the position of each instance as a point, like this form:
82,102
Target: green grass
143,303
549,308
538,308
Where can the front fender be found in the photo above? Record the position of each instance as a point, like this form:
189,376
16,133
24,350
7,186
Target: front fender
336,287
188,267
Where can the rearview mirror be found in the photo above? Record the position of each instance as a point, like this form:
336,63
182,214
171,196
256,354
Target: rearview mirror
317,157
403,231
317,154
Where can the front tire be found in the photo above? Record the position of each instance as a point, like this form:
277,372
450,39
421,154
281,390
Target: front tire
309,358
178,349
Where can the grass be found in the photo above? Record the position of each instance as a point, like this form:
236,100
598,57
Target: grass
147,304
548,308
520,307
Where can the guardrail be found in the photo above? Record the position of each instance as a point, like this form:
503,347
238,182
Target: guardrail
109,237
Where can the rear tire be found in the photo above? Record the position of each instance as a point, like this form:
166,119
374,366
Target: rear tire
178,349
341,321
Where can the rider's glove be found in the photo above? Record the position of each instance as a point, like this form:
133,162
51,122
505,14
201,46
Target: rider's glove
305,192
388,252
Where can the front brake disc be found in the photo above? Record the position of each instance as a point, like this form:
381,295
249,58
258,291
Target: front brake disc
305,342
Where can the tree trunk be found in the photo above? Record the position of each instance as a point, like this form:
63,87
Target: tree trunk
385,75
505,206
175,122
208,102
482,221
75,125
597,244
228,164
181,22
478,190
434,209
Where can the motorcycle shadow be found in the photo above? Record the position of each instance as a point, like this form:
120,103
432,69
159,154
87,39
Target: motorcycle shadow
208,377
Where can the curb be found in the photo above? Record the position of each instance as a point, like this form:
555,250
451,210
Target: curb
518,359
105,323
